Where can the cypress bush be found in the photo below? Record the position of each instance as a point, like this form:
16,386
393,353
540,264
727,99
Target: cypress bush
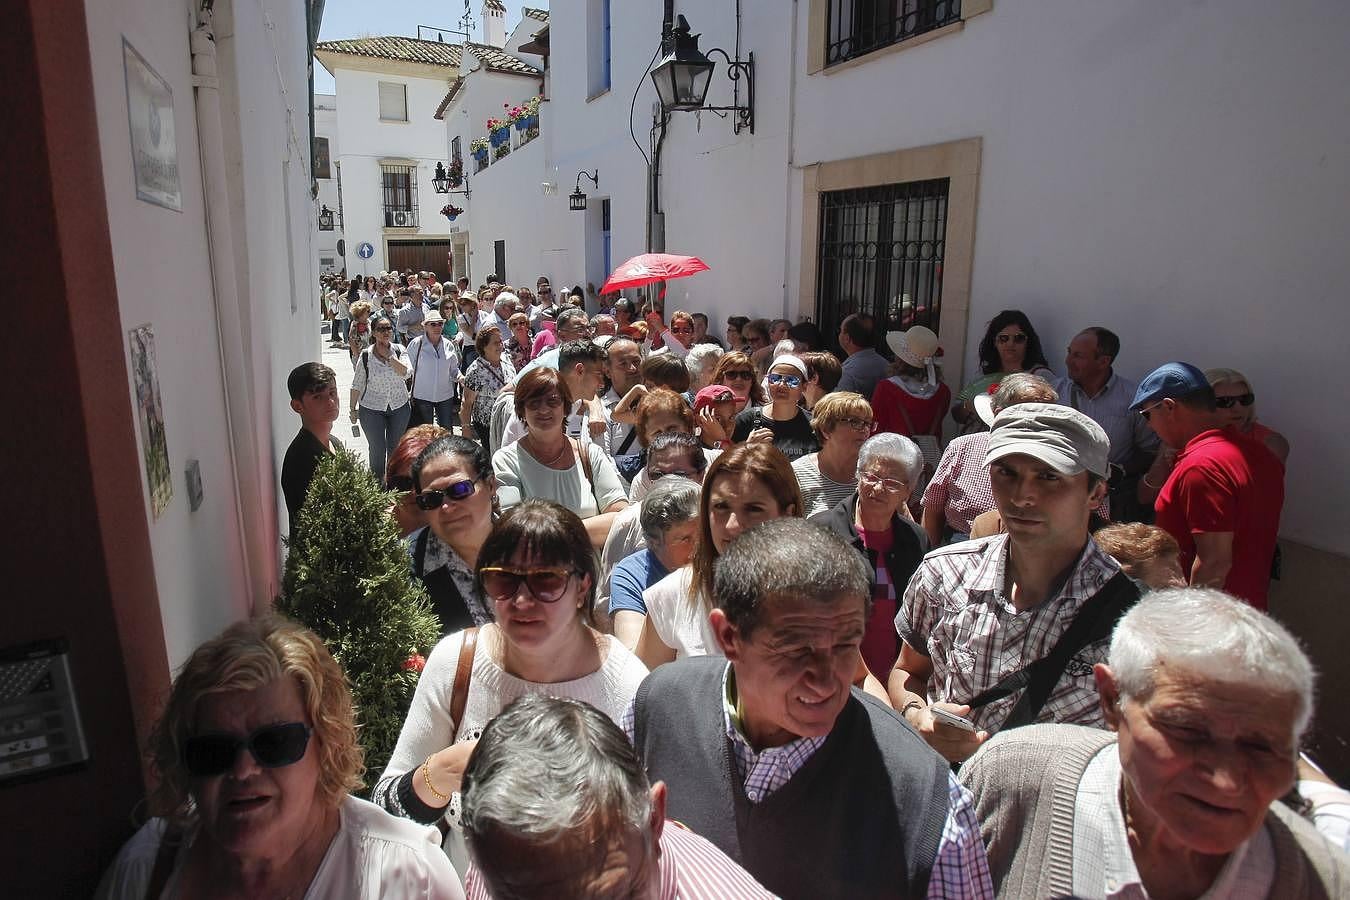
348,578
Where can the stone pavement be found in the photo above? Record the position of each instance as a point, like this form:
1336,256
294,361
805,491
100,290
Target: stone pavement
337,359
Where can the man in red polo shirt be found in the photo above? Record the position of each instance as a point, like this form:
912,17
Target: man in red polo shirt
1222,500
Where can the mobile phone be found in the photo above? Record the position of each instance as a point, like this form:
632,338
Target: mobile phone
356,430
942,717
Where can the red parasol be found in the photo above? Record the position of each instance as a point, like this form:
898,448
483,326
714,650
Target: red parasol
650,267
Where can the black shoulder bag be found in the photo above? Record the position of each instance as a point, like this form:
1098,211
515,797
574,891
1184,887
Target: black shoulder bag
1095,621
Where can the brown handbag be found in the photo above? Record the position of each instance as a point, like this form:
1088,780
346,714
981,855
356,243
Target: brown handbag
459,693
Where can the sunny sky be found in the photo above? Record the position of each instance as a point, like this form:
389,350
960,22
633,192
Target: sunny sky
364,18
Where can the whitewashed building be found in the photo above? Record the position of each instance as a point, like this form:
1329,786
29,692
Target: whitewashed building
1178,178
162,186
388,91
328,242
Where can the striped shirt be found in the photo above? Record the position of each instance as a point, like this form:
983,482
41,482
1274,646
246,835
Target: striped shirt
961,869
691,868
960,486
957,613
819,491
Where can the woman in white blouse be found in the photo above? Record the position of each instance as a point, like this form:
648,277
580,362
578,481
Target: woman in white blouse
539,571
549,465
380,393
743,487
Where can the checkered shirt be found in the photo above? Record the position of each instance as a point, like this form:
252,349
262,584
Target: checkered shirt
955,612
960,485
961,869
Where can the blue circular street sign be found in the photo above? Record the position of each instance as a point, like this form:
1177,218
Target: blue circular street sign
365,250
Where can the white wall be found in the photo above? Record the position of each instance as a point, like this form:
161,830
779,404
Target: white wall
1180,179
325,126
365,140
724,195
212,565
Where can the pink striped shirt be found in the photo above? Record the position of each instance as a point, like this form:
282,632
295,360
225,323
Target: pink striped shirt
692,868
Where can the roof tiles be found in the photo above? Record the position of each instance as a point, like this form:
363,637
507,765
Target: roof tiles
402,49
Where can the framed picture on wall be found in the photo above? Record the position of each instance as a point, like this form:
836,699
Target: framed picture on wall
150,412
154,142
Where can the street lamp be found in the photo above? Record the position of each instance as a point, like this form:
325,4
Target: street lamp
325,219
576,201
683,75
441,181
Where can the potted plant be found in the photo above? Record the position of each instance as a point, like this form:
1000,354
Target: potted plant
499,132
451,211
456,173
479,148
532,113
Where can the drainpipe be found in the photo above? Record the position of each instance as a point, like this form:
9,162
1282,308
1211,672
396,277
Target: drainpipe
234,370
788,254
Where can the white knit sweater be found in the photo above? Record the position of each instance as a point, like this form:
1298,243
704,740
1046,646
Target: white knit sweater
428,727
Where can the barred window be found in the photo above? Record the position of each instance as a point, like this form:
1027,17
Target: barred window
857,27
881,252
399,196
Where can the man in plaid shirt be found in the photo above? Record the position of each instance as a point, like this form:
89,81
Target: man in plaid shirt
977,611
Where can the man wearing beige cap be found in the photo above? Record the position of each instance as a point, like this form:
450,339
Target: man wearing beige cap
1005,630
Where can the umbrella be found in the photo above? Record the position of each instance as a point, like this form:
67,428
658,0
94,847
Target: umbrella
650,267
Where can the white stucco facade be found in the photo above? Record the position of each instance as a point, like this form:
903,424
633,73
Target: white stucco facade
1177,181
222,354
368,143
325,129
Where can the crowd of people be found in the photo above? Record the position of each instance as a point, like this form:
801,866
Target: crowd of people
740,618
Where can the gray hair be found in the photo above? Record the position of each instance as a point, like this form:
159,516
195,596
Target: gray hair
1210,634
567,314
1021,387
895,447
785,347
787,557
553,771
673,501
698,354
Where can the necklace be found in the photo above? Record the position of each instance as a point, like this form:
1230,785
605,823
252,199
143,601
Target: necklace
557,456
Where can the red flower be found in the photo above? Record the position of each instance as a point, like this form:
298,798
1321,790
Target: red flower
415,663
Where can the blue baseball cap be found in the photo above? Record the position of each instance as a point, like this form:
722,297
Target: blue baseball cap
1170,380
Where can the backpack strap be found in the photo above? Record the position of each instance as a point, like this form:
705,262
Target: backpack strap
1095,621
170,840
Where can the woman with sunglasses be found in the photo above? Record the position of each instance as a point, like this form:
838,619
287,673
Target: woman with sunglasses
380,396
1236,404
842,421
548,464
735,371
743,487
538,569
256,758
1010,345
398,476
454,491
782,422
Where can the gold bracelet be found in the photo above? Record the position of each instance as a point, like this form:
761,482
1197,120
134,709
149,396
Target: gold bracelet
426,779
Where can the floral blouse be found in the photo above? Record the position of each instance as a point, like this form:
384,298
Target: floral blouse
486,381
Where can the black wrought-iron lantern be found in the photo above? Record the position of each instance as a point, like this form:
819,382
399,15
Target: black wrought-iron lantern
441,180
325,219
682,77
576,201
684,73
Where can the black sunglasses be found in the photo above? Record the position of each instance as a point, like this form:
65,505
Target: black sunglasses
657,474
272,746
1230,402
435,499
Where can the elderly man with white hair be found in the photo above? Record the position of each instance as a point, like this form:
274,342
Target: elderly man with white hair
556,804
1207,699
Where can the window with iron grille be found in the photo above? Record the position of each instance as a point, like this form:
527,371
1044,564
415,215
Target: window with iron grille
881,251
856,27
400,196
455,152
